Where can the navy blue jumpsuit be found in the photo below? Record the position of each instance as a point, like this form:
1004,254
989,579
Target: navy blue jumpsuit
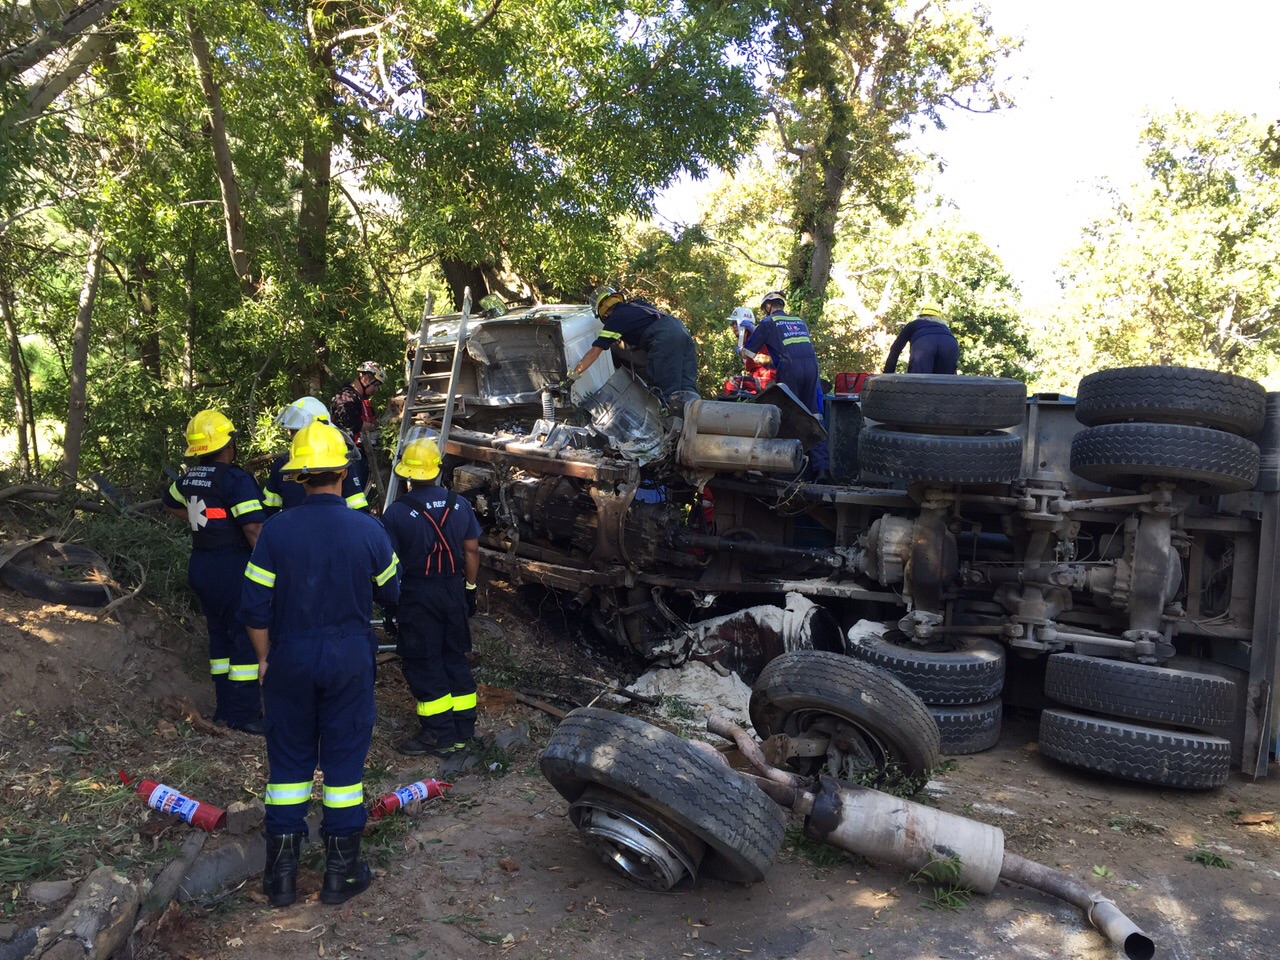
281,493
933,347
435,634
219,499
311,583
673,360
789,344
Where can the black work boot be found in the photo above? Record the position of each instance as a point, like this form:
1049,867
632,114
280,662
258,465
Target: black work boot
280,874
344,874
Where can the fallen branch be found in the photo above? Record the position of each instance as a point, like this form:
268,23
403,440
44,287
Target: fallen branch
540,705
621,691
142,582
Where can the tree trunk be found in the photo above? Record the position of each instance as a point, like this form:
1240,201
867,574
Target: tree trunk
54,36
232,215
80,362
189,320
15,373
148,335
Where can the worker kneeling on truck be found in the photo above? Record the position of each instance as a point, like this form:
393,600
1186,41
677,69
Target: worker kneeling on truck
437,537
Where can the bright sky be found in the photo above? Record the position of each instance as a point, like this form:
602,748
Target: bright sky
1089,70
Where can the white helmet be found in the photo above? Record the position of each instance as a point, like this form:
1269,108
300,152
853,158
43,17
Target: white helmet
741,315
301,412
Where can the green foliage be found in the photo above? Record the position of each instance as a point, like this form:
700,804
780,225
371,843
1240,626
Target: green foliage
1207,858
939,879
1183,269
816,853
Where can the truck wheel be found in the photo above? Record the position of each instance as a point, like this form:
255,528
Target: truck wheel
670,779
981,458
1184,395
932,401
26,574
970,728
1199,458
874,722
1136,691
1146,754
953,671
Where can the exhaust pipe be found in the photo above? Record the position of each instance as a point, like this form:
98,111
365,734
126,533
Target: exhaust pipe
890,829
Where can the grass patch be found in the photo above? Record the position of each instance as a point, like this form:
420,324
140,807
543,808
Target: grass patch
939,881
816,853
1207,858
1133,825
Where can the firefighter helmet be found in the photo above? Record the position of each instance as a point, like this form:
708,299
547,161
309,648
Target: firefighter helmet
208,432
930,310
374,369
419,459
604,299
316,448
301,412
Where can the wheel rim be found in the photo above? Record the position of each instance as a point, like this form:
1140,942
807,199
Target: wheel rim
853,750
641,846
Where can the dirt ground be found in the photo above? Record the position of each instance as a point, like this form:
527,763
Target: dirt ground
496,869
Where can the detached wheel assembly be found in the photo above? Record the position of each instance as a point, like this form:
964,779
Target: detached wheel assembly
862,718
29,572
655,807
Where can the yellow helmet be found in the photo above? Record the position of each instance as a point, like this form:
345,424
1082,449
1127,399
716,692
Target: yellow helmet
208,432
930,310
604,299
419,460
316,448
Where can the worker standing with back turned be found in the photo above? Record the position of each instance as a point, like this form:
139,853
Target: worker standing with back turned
436,535
308,599
223,506
933,346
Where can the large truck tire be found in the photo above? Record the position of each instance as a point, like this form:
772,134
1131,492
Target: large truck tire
1185,395
928,401
958,670
1145,754
1200,459
981,458
968,728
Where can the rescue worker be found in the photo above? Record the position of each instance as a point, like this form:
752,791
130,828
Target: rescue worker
759,368
672,365
933,346
308,598
436,535
352,408
223,506
280,493
790,350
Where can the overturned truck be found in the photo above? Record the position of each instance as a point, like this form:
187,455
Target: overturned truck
1107,560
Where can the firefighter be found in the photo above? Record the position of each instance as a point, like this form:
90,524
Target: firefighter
223,506
672,364
280,493
352,408
790,350
308,598
933,346
437,537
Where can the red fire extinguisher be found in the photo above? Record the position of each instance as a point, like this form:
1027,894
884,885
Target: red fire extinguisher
165,799
421,790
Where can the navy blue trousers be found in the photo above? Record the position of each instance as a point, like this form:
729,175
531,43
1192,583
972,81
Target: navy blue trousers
217,577
934,353
805,383
318,692
673,359
435,638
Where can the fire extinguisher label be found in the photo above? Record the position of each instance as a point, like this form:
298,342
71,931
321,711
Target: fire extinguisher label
414,791
167,800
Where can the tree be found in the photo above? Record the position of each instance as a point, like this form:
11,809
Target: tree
848,82
1183,269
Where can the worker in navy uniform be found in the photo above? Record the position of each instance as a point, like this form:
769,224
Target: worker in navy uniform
437,538
933,346
790,349
672,360
308,598
280,493
223,506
